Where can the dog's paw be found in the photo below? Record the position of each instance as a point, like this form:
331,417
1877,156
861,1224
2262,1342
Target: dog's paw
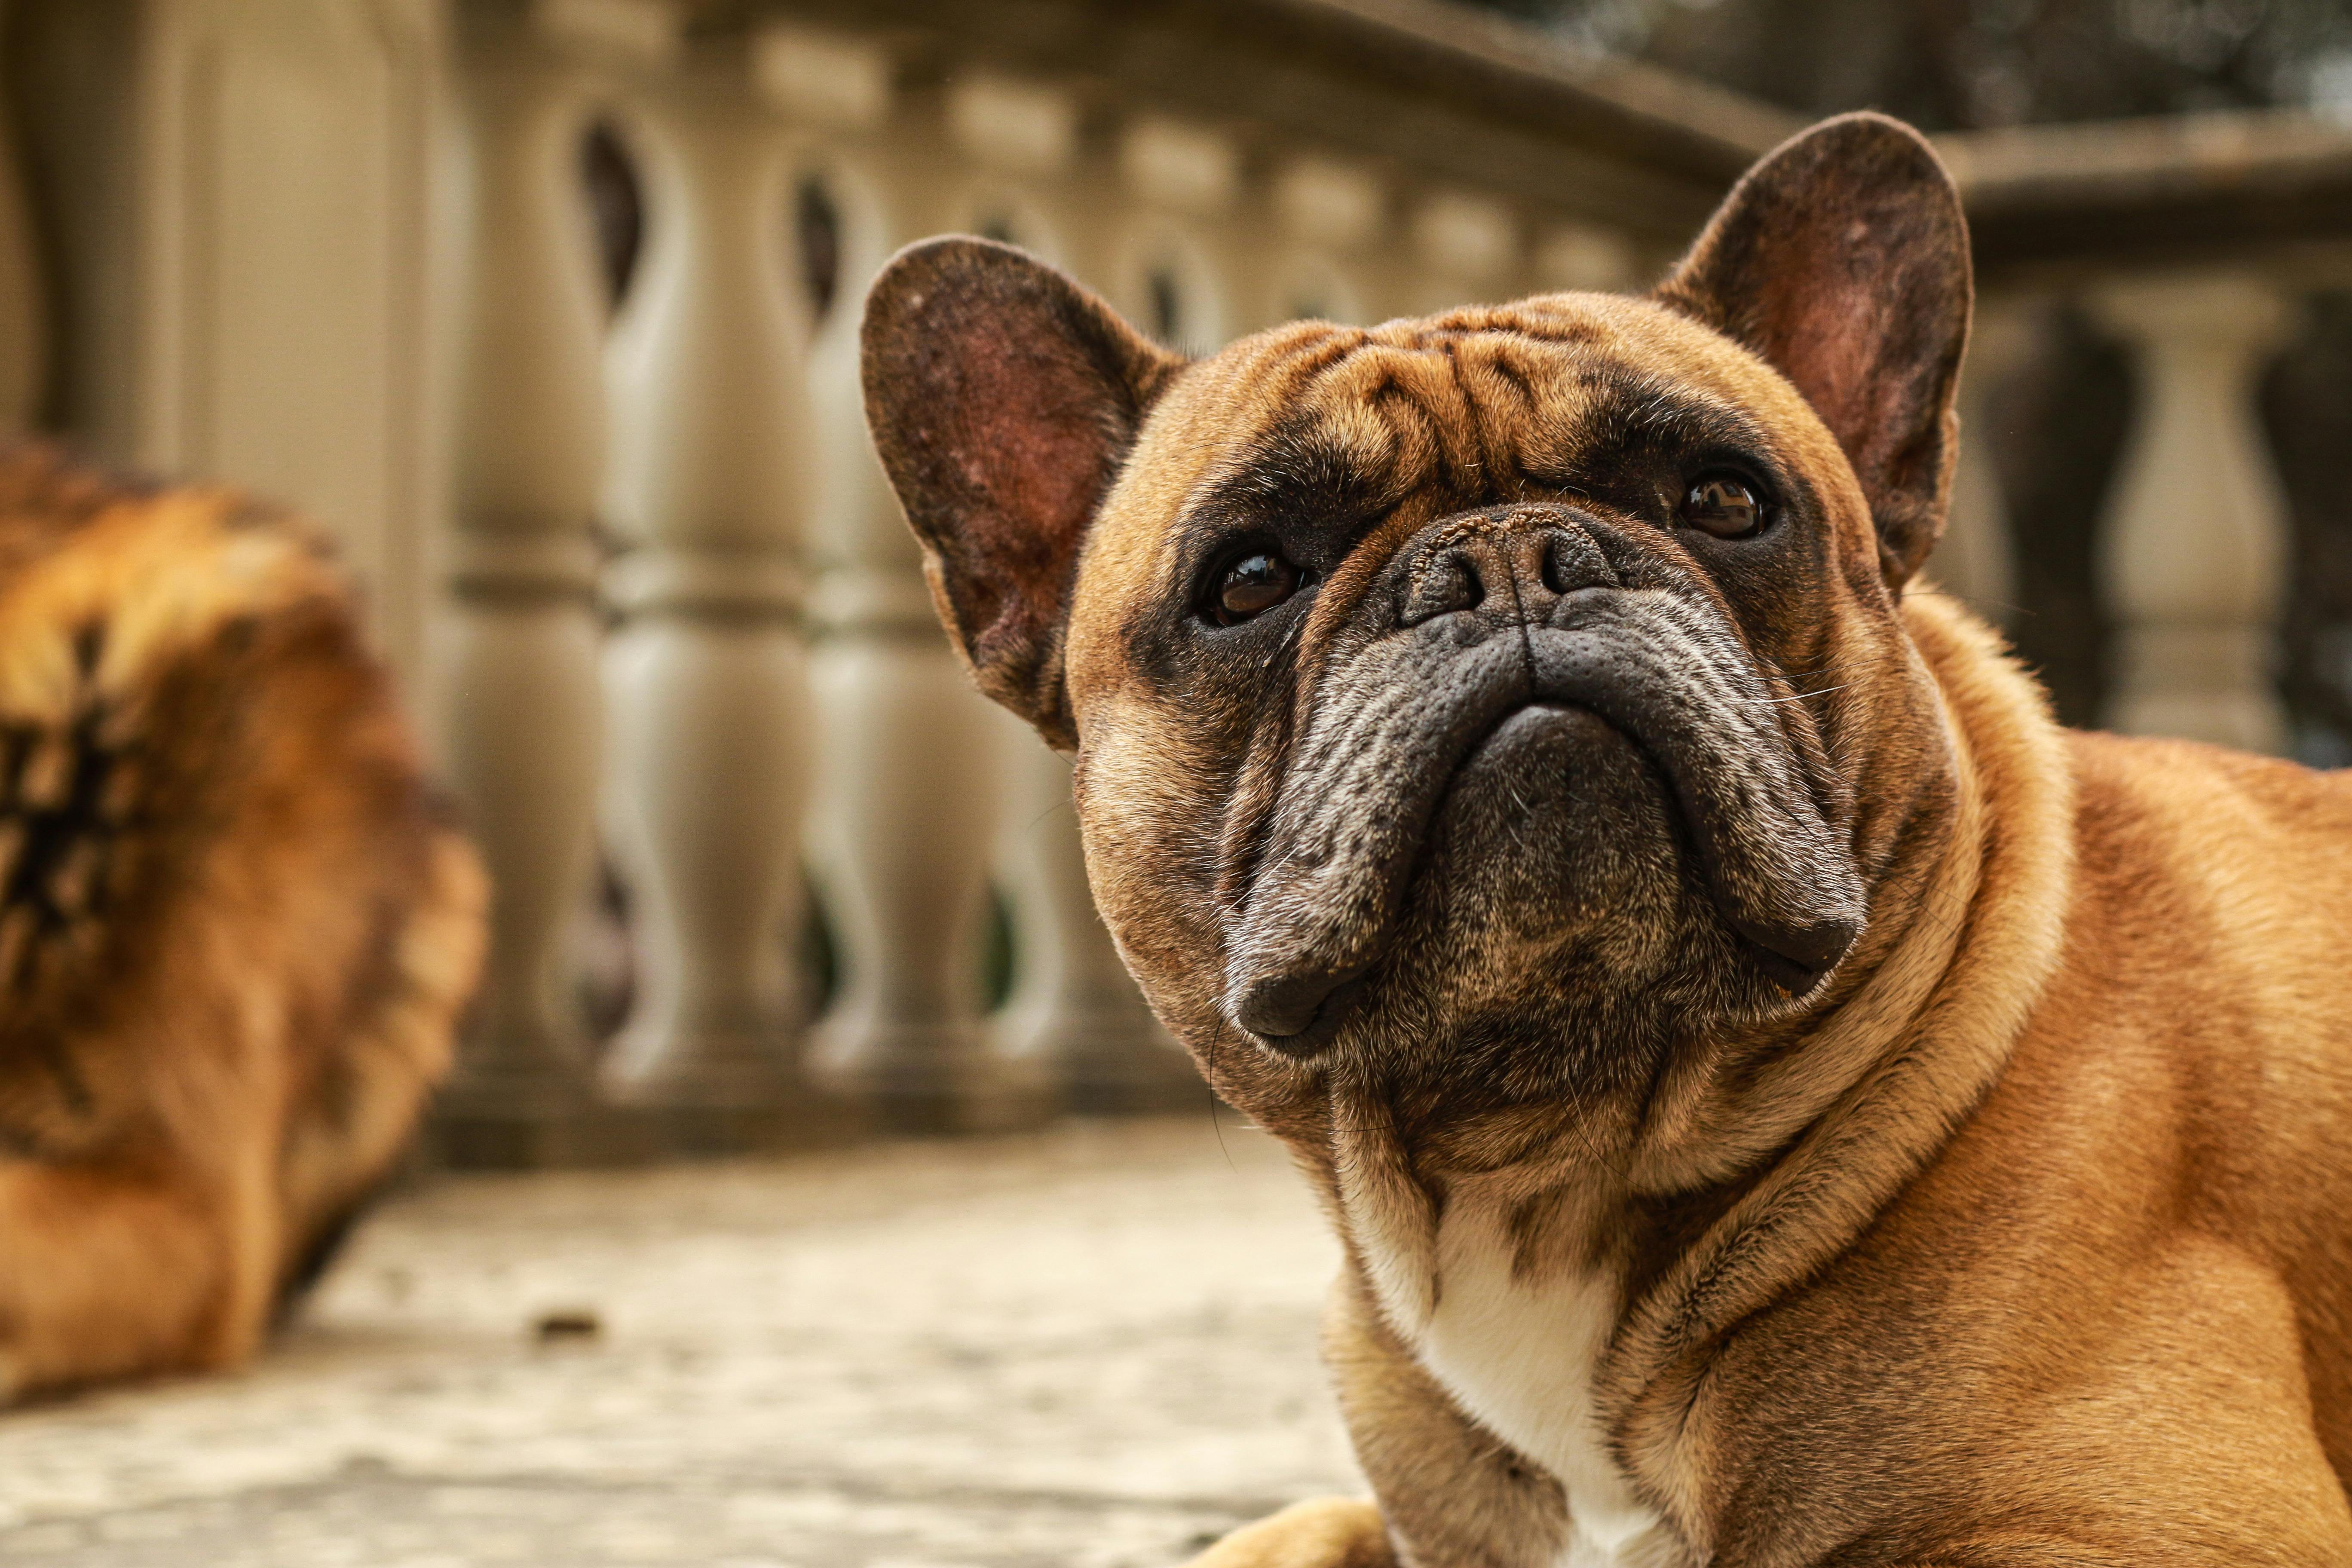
1327,1533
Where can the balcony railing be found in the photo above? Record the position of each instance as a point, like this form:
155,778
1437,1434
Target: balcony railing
629,548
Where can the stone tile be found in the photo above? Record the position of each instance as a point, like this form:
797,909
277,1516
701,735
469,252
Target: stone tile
1093,1346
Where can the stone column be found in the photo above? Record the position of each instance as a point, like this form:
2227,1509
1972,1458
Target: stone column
1582,257
2195,539
1329,213
1074,1010
1020,177
1468,248
907,784
707,678
521,711
1174,270
241,302
1975,561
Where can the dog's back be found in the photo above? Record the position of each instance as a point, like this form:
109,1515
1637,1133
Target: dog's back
2205,983
234,933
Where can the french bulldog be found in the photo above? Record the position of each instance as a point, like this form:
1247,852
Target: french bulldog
1782,1099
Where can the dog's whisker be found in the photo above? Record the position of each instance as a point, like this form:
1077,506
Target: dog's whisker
1799,696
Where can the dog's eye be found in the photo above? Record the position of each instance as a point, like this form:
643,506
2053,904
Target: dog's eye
1252,585
1724,505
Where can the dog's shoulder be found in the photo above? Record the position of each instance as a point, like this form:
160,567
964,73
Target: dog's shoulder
2128,778
2250,856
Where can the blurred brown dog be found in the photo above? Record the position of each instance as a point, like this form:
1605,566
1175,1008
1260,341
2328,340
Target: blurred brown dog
1784,1101
234,931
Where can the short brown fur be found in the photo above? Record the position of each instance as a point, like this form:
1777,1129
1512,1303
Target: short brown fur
235,929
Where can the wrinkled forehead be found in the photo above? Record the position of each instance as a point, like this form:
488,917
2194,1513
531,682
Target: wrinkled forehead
1458,408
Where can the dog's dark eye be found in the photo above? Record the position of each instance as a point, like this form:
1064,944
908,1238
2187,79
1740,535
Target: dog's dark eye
1252,585
1724,505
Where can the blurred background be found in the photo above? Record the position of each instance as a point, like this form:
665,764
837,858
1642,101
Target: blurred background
547,308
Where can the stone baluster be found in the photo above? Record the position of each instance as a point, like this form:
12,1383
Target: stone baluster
1177,271
520,703
1974,561
907,780
2194,544
1022,181
705,679
1581,257
1468,248
1074,1010
1329,214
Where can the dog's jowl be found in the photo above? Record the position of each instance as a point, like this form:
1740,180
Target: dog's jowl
1784,1101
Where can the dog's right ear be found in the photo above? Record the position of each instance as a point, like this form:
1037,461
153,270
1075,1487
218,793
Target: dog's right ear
1841,260
1003,397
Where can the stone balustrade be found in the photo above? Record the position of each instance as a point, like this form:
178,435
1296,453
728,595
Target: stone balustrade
519,631
680,635
2195,546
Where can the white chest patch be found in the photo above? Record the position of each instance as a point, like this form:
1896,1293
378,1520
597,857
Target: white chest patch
1518,1356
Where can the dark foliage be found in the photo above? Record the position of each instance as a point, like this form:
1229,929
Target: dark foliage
2307,410
1959,64
2056,428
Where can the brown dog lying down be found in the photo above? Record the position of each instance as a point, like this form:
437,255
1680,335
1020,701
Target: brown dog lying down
233,932
1784,1101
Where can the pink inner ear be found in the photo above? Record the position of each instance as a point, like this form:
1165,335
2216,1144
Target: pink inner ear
1858,333
1032,447
1000,395
1829,346
1842,259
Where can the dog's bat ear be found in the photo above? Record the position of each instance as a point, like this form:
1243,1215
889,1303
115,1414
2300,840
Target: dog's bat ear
1003,397
1841,259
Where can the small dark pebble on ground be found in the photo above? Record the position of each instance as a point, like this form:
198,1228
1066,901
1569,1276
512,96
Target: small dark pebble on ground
568,1326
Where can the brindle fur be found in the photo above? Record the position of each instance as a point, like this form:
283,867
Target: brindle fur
235,928
1951,1115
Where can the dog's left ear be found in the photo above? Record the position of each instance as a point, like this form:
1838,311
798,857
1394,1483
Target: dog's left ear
1841,259
1003,397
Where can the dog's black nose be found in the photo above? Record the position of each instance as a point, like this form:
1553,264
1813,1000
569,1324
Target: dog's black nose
1515,563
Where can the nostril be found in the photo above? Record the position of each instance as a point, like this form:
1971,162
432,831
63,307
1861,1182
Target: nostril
1447,585
1572,561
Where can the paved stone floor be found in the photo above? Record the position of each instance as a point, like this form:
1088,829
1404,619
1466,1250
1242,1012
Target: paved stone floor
1091,1347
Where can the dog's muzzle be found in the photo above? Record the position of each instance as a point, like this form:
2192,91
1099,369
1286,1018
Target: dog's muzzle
1479,616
